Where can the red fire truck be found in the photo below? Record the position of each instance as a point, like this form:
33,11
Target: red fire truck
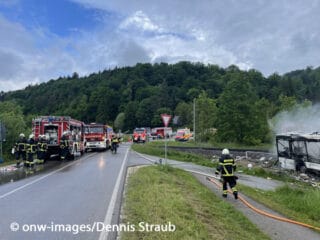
139,135
53,127
97,136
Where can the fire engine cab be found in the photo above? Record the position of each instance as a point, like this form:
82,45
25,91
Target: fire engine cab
97,136
183,135
53,127
139,135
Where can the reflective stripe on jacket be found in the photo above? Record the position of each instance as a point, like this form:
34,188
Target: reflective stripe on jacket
227,166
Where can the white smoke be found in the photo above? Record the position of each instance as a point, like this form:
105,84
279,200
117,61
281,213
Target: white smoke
298,119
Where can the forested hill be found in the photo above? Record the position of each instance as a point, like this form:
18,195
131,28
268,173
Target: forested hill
137,95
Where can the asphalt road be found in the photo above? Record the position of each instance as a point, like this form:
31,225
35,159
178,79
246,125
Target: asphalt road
75,200
80,198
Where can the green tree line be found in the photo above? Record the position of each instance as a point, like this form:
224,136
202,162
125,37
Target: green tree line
235,102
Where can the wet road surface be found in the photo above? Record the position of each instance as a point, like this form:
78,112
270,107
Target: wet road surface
72,200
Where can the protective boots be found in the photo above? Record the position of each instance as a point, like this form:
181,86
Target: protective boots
235,194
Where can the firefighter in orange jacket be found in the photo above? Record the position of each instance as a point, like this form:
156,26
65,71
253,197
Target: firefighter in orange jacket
226,168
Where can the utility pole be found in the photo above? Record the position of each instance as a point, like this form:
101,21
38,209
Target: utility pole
1,136
194,120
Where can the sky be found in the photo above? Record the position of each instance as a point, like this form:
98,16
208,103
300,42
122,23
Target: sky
44,39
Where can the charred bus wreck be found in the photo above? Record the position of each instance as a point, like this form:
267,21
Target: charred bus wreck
299,152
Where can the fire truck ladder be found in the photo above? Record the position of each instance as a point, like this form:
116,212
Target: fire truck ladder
36,127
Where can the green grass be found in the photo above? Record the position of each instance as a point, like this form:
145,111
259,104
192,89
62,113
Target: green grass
264,173
299,202
162,194
213,144
158,150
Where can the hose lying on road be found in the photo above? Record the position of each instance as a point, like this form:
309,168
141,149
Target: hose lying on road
265,213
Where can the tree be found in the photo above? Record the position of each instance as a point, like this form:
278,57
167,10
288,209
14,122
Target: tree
184,112
237,112
119,121
130,121
11,116
206,111
157,121
287,103
146,111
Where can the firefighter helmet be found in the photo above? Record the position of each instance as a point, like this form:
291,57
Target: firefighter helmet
21,135
225,151
31,136
66,133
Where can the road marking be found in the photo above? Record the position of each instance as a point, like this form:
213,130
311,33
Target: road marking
108,217
36,180
145,157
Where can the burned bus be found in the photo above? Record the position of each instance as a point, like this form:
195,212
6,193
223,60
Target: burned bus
299,152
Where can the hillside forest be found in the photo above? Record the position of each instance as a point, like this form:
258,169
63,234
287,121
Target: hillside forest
238,104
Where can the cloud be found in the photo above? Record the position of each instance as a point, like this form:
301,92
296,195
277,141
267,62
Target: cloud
24,61
10,64
270,36
140,21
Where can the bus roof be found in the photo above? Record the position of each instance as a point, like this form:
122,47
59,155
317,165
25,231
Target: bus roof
313,137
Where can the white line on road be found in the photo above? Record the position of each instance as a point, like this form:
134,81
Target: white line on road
108,217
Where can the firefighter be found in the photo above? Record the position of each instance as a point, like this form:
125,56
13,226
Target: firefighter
226,169
114,143
64,146
42,148
20,149
31,150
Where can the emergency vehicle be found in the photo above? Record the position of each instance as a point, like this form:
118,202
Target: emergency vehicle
161,132
299,151
97,136
139,135
53,127
183,135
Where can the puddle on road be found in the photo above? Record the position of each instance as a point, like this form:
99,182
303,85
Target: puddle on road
12,174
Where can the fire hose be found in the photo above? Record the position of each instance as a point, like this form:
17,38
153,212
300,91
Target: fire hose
210,179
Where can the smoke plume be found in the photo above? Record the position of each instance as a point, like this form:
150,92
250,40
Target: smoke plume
298,119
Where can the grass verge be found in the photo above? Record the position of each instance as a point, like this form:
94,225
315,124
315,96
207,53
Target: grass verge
155,150
211,144
163,195
297,202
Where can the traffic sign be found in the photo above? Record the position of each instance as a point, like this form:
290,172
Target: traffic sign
165,119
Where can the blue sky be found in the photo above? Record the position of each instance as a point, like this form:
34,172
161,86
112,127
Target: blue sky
44,39
59,16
